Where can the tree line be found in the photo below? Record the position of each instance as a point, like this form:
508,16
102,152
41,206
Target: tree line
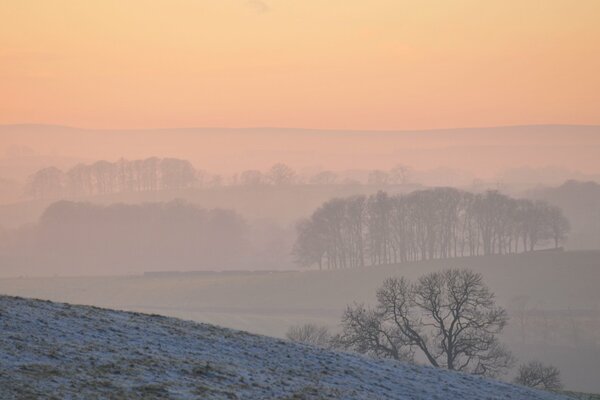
153,174
104,177
427,224
150,174
83,238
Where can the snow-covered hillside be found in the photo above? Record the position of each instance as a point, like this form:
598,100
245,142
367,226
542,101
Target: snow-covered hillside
52,350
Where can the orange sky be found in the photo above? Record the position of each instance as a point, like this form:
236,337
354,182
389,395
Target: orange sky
381,64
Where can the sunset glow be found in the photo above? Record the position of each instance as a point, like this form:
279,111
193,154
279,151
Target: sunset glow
336,64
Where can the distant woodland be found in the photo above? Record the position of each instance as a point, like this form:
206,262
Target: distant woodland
103,177
79,238
343,232
154,174
424,225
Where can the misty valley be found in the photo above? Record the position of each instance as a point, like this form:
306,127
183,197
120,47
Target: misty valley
299,200
154,236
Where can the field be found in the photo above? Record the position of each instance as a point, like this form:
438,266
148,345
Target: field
51,350
552,298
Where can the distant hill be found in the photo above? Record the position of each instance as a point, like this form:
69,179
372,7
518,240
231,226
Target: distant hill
481,151
51,350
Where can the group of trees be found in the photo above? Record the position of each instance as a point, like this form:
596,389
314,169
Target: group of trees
77,238
83,238
103,177
426,224
282,174
279,174
153,174
150,174
448,319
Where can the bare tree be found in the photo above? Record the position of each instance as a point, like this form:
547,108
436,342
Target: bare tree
45,183
367,331
400,174
558,225
537,375
310,247
450,317
312,334
102,173
176,174
281,174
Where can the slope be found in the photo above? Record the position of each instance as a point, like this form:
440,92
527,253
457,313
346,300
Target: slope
51,350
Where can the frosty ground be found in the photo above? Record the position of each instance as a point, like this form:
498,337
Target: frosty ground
54,350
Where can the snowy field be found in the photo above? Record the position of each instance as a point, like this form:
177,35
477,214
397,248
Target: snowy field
560,324
53,350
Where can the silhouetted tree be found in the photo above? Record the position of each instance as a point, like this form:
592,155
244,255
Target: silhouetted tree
399,174
311,334
558,225
176,174
281,174
537,375
102,175
46,183
449,316
310,247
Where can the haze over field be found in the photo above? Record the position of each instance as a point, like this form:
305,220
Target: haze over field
549,152
408,180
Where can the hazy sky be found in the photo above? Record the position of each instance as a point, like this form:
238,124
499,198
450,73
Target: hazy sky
323,64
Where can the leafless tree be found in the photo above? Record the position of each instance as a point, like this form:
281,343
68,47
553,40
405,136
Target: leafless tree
281,174
558,225
176,174
378,215
309,248
400,174
367,331
312,334
102,174
449,317
46,183
78,181
537,375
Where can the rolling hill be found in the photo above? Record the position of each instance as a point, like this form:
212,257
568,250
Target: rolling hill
52,350
552,299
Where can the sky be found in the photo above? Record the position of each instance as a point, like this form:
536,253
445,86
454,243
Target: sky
336,64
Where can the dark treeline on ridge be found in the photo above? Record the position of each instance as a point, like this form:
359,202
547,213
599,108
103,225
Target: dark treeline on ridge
423,225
